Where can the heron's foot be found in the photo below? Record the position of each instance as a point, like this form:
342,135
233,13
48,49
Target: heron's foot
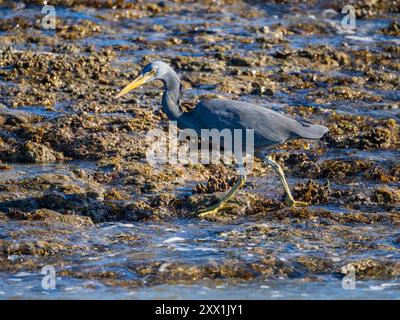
213,210
290,202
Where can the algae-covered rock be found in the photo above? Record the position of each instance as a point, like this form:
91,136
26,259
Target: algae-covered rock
38,153
387,195
77,191
51,217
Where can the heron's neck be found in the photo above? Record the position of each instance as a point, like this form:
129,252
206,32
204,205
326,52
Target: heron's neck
170,99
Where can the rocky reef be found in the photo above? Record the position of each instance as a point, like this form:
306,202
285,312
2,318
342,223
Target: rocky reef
73,158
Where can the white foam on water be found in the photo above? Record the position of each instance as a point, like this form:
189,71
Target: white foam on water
164,267
173,239
376,288
359,38
23,274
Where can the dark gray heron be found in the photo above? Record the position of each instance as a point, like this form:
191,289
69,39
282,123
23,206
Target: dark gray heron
271,128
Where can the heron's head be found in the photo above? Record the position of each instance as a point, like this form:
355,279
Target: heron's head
153,71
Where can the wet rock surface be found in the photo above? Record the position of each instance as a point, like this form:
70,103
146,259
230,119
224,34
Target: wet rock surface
76,186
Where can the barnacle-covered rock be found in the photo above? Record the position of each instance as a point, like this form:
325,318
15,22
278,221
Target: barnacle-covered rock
312,192
51,217
38,153
386,195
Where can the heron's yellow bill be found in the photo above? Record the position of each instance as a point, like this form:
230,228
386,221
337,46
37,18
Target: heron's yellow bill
134,84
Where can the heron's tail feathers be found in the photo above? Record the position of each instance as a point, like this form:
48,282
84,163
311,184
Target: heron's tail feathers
310,131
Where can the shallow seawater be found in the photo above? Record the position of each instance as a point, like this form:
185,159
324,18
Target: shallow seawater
27,286
178,240
24,171
128,260
186,241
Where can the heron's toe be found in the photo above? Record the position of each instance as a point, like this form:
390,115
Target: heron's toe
208,212
212,211
294,203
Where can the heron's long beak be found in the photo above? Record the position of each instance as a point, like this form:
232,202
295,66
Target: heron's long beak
134,84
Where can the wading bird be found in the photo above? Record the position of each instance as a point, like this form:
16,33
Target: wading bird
271,128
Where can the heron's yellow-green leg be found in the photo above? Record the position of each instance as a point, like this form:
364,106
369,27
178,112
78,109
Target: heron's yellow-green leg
289,198
215,208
